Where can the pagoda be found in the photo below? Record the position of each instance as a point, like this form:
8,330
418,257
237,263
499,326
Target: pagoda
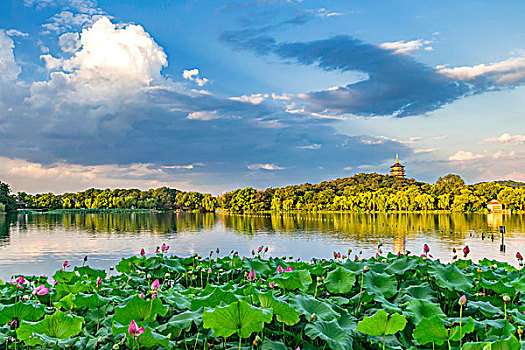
397,169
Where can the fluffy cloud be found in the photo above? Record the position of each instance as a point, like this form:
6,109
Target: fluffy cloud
265,167
204,115
60,177
504,73
464,156
406,47
193,75
508,139
15,32
253,99
9,71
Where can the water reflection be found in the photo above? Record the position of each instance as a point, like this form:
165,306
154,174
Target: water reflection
38,243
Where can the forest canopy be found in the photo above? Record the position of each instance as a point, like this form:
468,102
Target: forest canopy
361,192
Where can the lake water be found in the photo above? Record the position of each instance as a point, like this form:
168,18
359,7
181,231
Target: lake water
39,243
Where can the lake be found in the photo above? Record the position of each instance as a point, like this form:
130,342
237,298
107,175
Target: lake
37,244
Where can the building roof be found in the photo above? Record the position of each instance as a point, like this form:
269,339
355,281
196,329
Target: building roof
494,201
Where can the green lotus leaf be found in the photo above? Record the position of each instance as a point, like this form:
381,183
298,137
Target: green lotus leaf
430,330
308,306
218,296
238,317
510,343
150,339
420,309
78,287
484,307
90,300
467,326
282,311
66,302
174,298
451,278
66,276
21,311
299,279
340,281
182,321
58,325
269,344
380,284
139,309
174,265
261,268
330,332
421,291
89,272
498,287
399,266
381,324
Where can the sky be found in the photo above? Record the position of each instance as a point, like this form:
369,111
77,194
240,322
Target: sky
217,95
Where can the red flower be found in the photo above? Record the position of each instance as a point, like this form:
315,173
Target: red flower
519,256
134,330
426,248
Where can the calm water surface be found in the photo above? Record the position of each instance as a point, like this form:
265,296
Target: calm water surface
39,243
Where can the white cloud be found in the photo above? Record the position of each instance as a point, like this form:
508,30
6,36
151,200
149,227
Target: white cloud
322,12
266,166
508,139
312,146
282,97
348,168
69,42
203,115
193,75
406,47
15,32
508,72
112,65
464,155
189,166
425,150
61,176
253,99
9,70
67,21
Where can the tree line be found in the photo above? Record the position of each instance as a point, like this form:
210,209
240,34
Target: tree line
376,192
359,193
162,198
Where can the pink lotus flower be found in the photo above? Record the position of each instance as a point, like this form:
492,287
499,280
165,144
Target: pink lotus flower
209,270
251,275
141,295
462,301
155,285
164,247
134,330
280,269
519,256
65,264
338,255
99,281
426,248
289,269
154,295
271,284
20,280
142,252
259,249
41,290
466,250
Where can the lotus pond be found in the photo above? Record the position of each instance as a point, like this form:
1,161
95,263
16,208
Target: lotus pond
221,302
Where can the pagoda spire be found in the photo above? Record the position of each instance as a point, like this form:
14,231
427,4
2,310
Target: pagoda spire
397,158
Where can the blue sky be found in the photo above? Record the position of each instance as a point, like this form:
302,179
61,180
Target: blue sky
212,96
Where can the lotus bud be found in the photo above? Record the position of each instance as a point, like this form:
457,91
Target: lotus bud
426,248
462,301
519,256
506,298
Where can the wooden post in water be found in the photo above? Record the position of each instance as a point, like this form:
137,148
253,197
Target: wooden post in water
502,231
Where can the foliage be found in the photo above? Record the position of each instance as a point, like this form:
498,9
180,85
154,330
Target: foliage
376,192
395,302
